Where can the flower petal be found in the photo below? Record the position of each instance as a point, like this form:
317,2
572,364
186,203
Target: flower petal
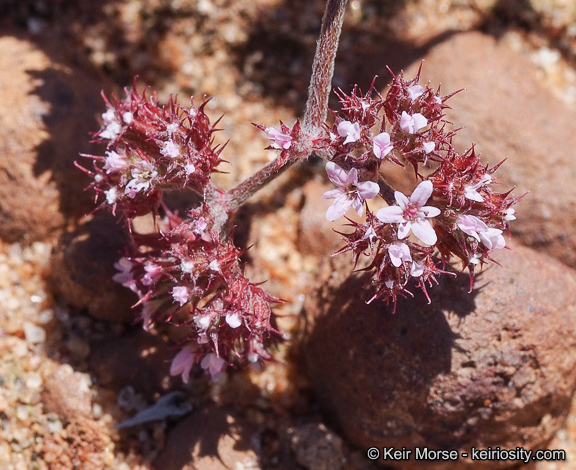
336,174
338,208
404,229
422,193
424,231
368,189
390,215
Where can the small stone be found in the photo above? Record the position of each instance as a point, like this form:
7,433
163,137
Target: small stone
66,393
34,334
316,447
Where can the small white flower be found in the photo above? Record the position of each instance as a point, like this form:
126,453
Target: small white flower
233,320
127,117
350,130
471,192
428,147
113,127
142,175
111,195
412,124
510,214
189,168
187,267
417,269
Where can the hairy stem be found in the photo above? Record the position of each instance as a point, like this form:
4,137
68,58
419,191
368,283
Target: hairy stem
316,106
323,67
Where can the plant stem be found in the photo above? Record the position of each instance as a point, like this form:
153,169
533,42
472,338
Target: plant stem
323,67
316,106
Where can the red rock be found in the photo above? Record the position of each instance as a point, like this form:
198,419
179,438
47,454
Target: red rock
490,368
83,266
47,112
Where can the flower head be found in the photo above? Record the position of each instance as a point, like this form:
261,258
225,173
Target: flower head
412,213
349,193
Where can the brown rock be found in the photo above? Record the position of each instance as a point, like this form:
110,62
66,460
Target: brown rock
508,112
83,267
47,111
67,394
210,439
491,368
148,356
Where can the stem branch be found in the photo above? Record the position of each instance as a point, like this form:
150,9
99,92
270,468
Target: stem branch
316,106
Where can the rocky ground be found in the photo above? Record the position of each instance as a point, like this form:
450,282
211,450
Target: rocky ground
74,367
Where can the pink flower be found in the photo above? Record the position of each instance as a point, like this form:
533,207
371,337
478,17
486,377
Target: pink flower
170,149
349,193
417,269
412,124
125,276
399,253
279,140
412,213
114,162
153,272
415,91
213,365
183,363
382,145
471,225
491,237
181,294
349,130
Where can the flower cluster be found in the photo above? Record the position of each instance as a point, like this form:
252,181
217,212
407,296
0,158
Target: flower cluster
452,212
188,272
151,149
191,278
